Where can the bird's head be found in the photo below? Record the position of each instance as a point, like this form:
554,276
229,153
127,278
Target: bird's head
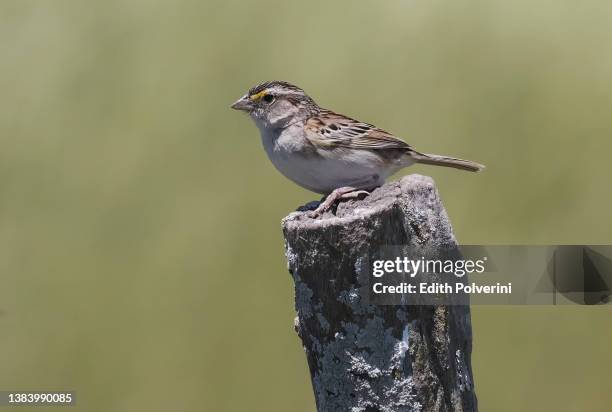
276,104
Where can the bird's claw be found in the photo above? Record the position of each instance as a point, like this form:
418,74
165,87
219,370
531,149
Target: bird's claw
342,193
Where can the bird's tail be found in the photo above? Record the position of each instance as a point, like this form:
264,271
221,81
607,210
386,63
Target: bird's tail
432,159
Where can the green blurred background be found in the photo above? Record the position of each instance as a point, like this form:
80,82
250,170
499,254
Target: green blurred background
141,258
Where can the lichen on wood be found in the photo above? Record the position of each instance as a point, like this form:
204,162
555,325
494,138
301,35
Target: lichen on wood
364,357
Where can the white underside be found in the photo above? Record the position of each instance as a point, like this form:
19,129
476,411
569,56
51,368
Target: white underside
325,171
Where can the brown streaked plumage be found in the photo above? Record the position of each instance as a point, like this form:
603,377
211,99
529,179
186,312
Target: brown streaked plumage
324,151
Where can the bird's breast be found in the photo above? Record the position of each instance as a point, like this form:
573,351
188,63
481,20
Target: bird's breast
322,171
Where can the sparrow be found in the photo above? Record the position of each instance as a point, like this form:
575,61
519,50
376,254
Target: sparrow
327,152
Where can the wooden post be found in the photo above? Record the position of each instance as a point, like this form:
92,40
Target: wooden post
371,358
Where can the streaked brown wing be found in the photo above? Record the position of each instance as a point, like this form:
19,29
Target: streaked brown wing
334,130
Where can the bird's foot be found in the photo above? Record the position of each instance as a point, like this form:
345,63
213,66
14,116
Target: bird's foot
342,193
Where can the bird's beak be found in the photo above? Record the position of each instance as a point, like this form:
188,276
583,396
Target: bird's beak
244,103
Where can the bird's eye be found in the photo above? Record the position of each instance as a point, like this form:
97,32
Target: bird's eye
268,98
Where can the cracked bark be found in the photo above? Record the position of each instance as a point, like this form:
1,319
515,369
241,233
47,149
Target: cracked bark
364,357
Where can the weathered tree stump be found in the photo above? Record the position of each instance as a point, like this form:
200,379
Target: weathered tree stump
364,357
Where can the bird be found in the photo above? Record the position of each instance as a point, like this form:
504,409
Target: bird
327,152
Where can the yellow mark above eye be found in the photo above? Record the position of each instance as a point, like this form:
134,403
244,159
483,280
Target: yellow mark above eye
258,95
